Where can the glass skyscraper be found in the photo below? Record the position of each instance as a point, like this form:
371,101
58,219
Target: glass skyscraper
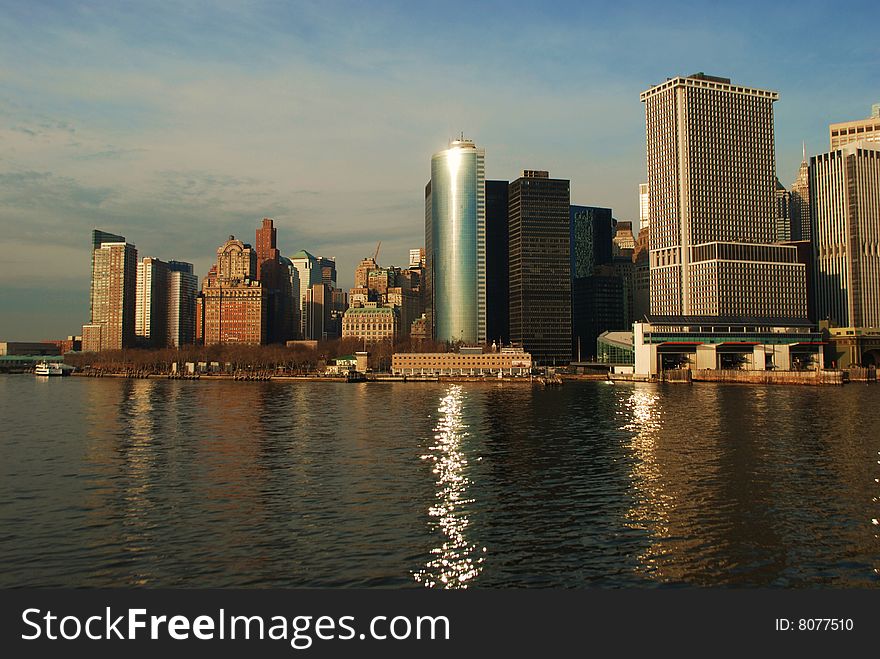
455,241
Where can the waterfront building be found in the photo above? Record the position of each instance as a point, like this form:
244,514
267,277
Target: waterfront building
644,207
845,202
597,293
850,347
182,290
598,305
455,243
98,237
371,323
800,202
497,263
34,348
540,266
114,284
847,132
711,176
151,303
615,348
70,344
235,302
704,343
467,361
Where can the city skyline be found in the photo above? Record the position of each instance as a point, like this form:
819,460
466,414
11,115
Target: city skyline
116,127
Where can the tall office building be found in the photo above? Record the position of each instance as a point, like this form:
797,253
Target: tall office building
328,270
597,292
275,277
113,290
591,234
497,268
783,214
644,207
845,198
711,176
540,266
151,303
182,290
455,243
800,202
310,272
846,132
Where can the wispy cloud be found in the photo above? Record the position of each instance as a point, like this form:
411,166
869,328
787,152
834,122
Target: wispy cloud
178,124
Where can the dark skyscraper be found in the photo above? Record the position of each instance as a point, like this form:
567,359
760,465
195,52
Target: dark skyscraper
540,266
497,268
598,292
592,230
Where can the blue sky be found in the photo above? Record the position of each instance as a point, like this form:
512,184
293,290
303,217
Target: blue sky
177,124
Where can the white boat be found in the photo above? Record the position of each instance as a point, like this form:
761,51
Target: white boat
49,368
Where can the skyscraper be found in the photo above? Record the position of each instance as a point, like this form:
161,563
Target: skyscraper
711,176
497,267
151,303
308,268
847,132
114,282
540,266
800,202
644,207
455,243
99,237
182,289
845,189
784,228
275,277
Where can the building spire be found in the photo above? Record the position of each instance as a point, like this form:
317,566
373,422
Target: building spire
805,150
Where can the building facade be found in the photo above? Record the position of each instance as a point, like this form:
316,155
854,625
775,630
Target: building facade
845,201
182,290
497,266
800,202
847,132
113,296
644,207
468,361
151,303
711,176
371,323
455,243
540,266
235,302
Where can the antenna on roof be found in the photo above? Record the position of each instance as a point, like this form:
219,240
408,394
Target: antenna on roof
805,150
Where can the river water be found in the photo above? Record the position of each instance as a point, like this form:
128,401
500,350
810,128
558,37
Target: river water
164,483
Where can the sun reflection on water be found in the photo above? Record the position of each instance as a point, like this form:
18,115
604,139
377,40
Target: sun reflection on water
457,561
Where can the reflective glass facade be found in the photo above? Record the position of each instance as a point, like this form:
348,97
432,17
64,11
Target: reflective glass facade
457,241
